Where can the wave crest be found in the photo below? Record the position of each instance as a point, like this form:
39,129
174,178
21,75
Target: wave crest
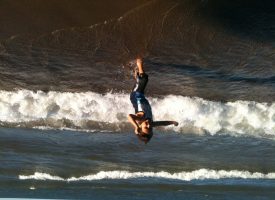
201,174
89,110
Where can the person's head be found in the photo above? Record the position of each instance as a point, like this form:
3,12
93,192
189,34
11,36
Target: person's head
146,131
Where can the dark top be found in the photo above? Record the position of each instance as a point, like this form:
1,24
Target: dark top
138,100
141,82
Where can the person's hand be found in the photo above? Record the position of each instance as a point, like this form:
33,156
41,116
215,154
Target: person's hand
137,129
175,123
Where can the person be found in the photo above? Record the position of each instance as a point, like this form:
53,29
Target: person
142,120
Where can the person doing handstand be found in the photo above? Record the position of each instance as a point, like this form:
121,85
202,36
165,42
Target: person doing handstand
142,120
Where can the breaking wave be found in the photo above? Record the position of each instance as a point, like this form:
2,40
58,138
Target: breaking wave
89,110
201,174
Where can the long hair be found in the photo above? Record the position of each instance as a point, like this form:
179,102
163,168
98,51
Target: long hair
146,137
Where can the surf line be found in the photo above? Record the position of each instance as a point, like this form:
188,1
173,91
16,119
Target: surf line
201,174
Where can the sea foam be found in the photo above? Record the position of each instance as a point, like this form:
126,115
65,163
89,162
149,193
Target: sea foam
201,174
89,110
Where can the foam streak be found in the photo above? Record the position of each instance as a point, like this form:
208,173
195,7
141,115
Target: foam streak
201,174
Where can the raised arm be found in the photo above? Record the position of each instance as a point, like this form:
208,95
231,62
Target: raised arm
132,119
165,123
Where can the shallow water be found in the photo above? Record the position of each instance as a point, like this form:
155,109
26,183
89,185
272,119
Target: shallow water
71,164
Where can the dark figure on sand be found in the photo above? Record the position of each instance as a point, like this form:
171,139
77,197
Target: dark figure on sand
142,120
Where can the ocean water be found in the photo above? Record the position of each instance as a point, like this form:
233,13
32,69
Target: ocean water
65,78
103,165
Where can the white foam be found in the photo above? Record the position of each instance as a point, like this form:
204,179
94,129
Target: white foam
201,174
25,105
242,117
82,110
41,176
